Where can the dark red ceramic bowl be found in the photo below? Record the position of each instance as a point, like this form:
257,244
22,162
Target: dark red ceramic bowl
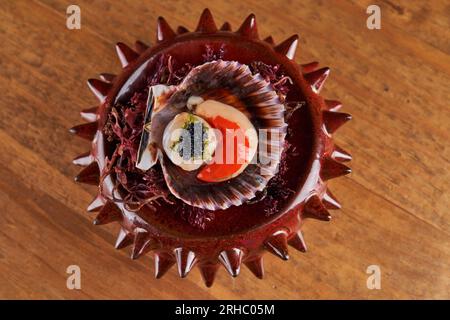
239,234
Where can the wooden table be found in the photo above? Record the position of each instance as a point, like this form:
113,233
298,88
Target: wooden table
394,81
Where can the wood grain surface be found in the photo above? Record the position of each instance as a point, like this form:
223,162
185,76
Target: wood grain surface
394,81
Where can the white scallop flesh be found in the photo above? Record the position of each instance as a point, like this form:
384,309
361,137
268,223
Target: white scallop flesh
175,130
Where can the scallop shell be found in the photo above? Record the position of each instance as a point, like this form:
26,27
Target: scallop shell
234,84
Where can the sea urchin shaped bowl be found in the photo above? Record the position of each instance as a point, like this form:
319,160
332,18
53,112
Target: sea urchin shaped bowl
178,233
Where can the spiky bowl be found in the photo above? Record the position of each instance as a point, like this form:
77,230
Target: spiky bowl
176,232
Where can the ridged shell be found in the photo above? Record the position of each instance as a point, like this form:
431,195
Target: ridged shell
234,84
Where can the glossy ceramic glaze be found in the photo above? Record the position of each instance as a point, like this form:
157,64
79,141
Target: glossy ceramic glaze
239,234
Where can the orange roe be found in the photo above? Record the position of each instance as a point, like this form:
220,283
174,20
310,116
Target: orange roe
220,169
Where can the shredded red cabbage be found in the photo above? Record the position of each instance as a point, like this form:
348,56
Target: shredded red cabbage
272,74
